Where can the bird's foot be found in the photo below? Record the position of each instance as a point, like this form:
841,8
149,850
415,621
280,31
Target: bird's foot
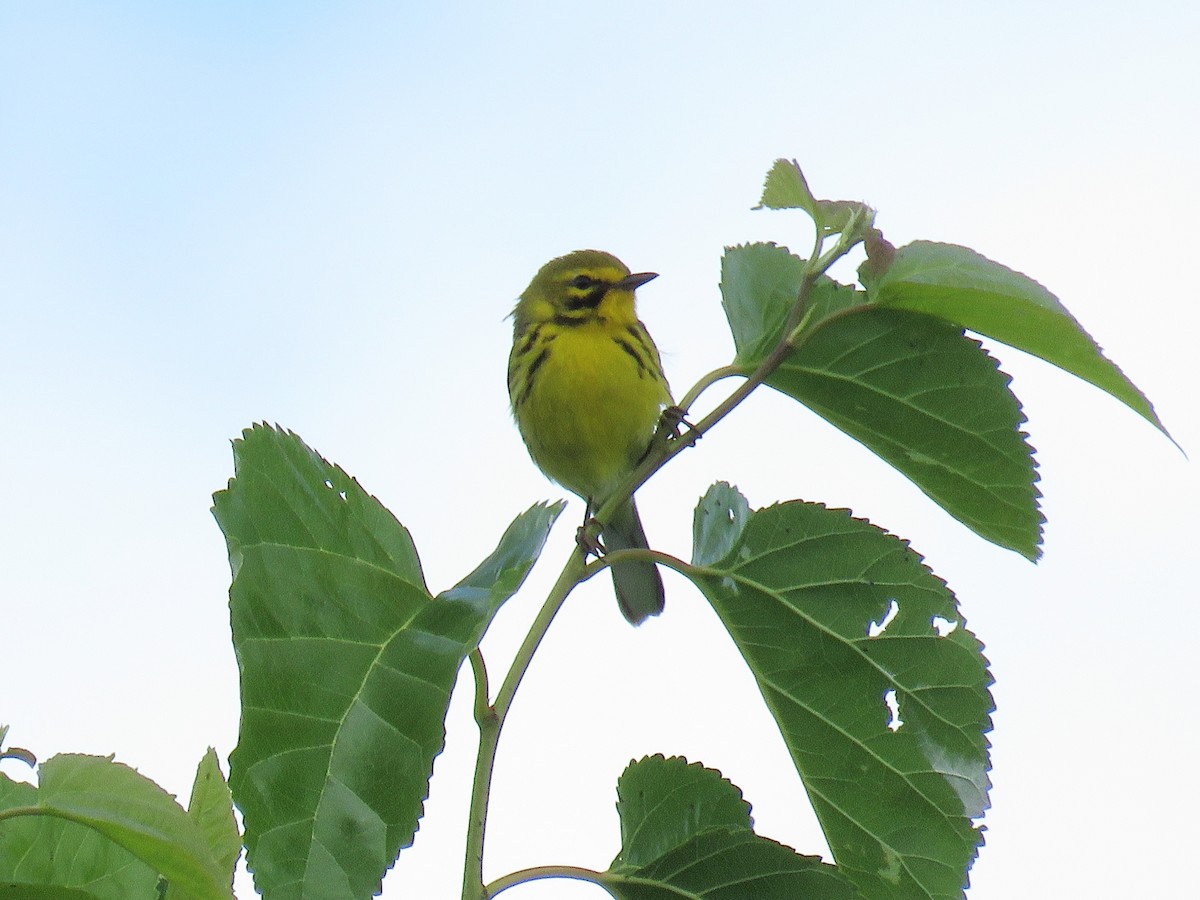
672,418
588,538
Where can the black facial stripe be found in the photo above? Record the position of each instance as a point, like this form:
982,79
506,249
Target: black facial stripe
590,300
570,321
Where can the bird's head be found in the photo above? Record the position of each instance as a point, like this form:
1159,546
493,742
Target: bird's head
582,286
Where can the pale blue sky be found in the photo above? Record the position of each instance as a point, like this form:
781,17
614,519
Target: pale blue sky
320,214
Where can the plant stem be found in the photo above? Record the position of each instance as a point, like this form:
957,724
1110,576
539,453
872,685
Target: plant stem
490,719
479,670
571,575
705,383
538,872
489,735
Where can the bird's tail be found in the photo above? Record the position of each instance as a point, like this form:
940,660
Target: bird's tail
639,586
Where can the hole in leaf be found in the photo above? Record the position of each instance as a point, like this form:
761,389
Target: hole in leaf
875,629
893,705
942,626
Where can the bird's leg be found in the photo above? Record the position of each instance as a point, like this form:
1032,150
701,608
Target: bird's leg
588,534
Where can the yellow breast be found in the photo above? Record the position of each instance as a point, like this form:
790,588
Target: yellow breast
587,402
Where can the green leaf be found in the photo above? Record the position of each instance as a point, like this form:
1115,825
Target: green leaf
911,387
15,752
759,287
663,803
290,497
932,403
879,691
687,832
211,808
787,188
346,663
47,854
500,575
717,523
759,284
731,864
121,831
964,287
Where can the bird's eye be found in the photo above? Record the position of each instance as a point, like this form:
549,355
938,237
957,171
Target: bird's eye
582,282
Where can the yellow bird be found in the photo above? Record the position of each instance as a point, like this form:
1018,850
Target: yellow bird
587,392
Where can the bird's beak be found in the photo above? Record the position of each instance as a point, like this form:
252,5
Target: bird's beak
633,282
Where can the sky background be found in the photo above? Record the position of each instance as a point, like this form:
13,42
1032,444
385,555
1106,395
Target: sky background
320,214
